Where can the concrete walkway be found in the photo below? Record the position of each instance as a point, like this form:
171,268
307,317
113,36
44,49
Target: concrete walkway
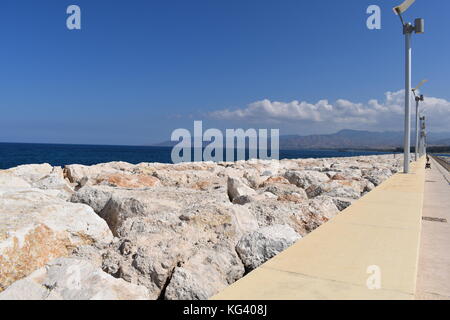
378,237
434,260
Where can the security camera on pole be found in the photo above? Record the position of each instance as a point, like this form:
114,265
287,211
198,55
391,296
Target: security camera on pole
408,30
418,99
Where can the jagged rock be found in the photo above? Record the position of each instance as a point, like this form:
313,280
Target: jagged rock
165,226
314,191
10,181
94,196
343,192
237,189
254,178
36,227
242,200
128,204
72,279
342,203
378,176
296,197
338,176
317,212
78,174
257,247
275,212
205,274
304,179
274,181
283,191
368,187
31,172
55,181
136,181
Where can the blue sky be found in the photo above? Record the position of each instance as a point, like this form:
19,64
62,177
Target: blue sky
139,69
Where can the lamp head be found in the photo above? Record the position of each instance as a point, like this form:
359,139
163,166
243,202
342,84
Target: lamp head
419,85
419,26
398,10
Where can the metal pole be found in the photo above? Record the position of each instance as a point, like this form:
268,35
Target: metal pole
424,136
417,129
407,138
421,138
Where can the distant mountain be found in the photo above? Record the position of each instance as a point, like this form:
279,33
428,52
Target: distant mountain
348,139
344,139
443,142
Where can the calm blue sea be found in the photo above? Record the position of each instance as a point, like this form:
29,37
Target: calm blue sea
15,154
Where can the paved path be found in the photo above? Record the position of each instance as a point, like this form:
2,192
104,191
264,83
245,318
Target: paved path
381,231
434,259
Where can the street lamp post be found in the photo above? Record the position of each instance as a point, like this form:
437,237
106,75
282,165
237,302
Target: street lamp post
418,99
423,136
408,30
416,149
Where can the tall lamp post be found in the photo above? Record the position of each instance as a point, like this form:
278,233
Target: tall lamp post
408,29
418,99
423,137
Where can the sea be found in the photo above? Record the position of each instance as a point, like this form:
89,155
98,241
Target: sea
15,154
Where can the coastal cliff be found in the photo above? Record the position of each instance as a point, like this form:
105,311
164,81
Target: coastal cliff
159,231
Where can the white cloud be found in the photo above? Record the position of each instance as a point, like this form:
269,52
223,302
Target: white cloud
379,115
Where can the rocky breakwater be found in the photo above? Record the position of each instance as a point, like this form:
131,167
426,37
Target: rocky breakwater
159,231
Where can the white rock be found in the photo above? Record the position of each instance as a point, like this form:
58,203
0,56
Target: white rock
257,247
243,219
36,227
31,172
319,211
94,196
11,181
237,189
378,176
72,279
204,275
55,182
128,204
304,179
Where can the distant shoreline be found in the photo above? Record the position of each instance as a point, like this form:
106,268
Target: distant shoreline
170,147
16,154
431,149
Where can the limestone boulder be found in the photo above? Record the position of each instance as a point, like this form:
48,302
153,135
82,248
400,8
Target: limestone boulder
36,228
270,212
257,247
31,172
237,190
205,274
81,174
55,181
378,176
305,179
94,196
72,279
11,181
317,212
160,229
132,181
